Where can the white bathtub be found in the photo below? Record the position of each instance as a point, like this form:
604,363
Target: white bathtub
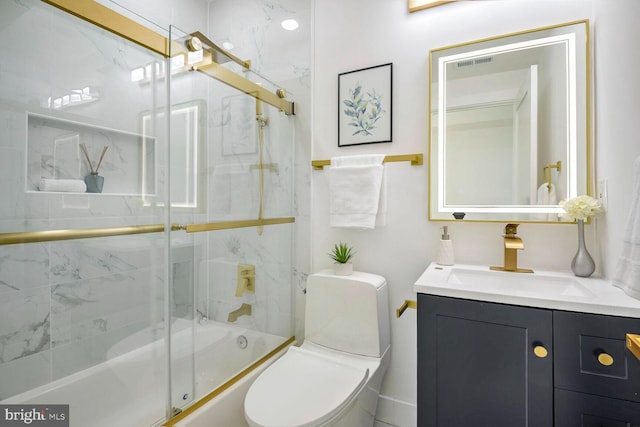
130,388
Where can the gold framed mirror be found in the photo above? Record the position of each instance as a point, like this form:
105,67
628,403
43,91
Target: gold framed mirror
514,138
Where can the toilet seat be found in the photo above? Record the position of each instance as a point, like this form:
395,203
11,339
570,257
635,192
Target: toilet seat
303,388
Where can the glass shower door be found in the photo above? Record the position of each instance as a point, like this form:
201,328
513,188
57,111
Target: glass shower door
83,271
231,174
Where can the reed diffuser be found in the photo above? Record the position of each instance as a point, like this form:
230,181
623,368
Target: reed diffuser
93,180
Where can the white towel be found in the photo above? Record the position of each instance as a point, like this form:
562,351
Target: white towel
547,196
62,185
357,191
627,274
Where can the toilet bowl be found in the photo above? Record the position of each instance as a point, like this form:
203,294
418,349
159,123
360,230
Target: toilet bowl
334,377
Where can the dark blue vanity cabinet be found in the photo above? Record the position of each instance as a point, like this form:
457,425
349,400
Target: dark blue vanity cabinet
597,379
490,364
477,366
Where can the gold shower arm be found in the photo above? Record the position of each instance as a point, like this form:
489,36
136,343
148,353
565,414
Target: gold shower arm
415,159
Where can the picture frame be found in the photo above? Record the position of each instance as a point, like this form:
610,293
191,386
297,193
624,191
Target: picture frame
364,105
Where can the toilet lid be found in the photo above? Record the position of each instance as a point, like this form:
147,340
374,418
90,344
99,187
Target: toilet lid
302,388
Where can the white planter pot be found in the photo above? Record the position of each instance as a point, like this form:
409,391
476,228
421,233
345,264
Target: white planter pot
345,269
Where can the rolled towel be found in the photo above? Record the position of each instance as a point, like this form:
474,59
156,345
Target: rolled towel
63,185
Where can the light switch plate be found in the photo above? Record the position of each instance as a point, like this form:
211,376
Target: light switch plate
603,193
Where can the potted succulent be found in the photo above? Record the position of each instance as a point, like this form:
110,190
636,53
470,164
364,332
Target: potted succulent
341,255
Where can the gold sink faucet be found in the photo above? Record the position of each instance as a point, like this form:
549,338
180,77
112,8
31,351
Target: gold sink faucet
512,244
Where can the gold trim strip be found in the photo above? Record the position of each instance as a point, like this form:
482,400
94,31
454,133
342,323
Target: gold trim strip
200,403
415,159
227,76
112,21
416,5
212,226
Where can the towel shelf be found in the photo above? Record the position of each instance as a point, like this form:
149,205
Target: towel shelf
415,159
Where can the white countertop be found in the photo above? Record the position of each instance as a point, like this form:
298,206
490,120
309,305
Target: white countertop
543,289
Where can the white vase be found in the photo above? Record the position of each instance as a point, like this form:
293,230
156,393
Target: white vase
342,269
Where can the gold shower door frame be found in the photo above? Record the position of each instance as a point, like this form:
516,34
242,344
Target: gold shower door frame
110,20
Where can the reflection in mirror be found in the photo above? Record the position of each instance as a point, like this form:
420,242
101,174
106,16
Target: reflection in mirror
509,132
187,139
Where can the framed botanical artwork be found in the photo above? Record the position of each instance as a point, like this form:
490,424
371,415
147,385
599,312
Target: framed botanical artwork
364,110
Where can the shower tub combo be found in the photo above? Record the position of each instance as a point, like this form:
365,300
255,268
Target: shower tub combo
131,384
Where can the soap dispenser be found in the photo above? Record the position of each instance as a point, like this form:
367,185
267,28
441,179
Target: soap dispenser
445,250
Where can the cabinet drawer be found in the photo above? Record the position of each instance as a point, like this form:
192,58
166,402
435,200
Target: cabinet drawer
591,356
584,410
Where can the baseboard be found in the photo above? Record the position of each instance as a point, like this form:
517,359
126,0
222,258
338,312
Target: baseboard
396,412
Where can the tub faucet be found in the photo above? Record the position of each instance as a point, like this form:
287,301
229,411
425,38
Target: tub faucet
512,244
245,309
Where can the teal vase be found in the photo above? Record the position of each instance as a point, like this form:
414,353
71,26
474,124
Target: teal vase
94,182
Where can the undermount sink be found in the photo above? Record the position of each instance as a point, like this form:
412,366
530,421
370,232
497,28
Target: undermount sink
559,290
538,284
476,279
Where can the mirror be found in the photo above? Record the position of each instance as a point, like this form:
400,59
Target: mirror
509,125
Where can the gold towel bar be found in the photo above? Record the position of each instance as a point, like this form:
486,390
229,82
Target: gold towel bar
406,304
212,226
85,233
415,159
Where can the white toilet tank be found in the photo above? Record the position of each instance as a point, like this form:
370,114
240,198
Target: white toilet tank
348,313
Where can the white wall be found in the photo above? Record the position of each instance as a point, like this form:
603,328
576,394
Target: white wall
358,34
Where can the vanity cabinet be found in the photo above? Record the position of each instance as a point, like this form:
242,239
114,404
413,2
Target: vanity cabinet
596,379
492,364
483,364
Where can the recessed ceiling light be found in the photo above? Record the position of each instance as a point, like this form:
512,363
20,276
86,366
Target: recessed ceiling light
227,45
289,24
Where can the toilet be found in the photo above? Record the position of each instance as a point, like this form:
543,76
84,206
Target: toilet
334,377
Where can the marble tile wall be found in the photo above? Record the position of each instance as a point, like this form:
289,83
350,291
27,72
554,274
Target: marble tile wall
63,305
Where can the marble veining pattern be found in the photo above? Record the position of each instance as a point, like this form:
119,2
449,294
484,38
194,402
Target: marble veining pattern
64,306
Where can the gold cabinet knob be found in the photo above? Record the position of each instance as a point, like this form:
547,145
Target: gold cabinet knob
605,359
540,351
